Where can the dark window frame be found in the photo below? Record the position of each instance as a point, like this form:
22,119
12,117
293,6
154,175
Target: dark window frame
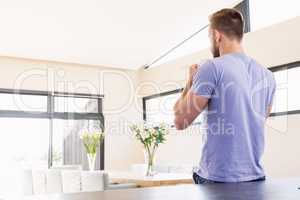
282,68
244,8
51,115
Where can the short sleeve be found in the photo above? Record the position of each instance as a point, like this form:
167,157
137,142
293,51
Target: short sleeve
205,80
272,91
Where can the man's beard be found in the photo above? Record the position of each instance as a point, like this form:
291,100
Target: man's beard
215,51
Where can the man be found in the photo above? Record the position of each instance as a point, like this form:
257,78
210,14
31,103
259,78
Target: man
238,93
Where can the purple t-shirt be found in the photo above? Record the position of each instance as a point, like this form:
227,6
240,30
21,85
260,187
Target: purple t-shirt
239,91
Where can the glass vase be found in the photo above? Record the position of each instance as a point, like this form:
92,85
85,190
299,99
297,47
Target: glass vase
149,155
91,161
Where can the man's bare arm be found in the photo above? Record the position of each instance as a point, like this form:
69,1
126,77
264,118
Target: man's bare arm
189,105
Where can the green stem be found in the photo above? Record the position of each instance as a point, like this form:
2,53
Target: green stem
150,159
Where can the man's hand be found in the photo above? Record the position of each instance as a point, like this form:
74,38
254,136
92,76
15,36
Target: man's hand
192,71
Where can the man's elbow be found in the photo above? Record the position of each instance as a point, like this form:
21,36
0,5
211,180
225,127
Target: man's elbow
179,124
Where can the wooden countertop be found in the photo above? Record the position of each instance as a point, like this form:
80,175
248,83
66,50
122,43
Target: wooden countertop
160,179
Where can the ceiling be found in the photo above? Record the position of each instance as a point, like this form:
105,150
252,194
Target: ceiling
113,33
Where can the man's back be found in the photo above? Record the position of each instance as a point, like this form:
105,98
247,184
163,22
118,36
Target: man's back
240,92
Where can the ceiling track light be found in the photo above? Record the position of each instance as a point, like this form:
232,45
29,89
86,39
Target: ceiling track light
146,66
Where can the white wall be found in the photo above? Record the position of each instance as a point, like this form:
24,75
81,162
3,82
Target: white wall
275,45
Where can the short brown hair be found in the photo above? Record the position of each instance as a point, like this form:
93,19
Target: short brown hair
229,21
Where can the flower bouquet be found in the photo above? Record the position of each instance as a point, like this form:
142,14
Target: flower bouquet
150,137
91,142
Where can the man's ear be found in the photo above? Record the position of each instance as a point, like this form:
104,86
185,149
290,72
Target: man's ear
218,36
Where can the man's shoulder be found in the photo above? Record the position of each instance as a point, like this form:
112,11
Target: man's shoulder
229,59
216,65
264,68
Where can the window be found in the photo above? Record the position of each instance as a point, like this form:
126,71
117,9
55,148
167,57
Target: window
24,141
41,129
23,102
268,12
75,104
287,97
67,145
159,108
